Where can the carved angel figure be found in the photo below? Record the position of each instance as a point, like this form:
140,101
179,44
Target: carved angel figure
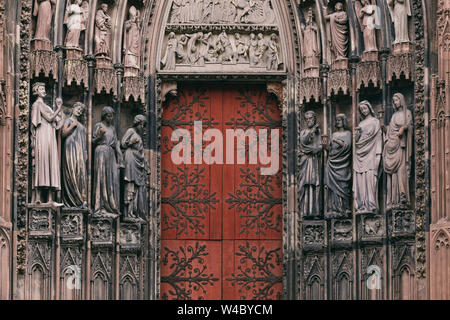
311,42
369,21
74,19
43,10
338,31
400,10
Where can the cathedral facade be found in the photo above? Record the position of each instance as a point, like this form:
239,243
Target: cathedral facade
224,149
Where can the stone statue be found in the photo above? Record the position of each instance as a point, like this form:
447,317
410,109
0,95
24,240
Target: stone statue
397,154
136,170
132,43
241,49
338,171
310,149
273,57
107,160
369,141
175,52
85,14
369,21
43,10
193,49
75,159
311,43
102,31
400,10
45,152
74,19
337,31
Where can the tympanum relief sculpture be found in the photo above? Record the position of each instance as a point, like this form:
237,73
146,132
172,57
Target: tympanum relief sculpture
107,161
311,46
397,154
369,21
132,43
74,159
222,52
366,162
337,34
137,170
310,152
45,152
221,12
338,172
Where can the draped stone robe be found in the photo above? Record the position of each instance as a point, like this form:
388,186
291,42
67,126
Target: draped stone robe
365,165
397,158
338,175
309,187
338,31
44,12
132,44
102,33
400,10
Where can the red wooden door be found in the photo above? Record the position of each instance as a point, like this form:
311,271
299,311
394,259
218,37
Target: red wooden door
221,224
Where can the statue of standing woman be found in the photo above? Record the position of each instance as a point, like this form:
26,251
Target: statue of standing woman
338,172
44,124
107,160
310,149
43,10
136,170
397,154
75,159
369,144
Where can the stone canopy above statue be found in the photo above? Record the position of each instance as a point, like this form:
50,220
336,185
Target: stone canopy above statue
222,12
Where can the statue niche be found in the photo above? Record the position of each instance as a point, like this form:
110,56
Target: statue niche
132,43
45,159
369,22
397,154
338,37
137,170
310,150
311,46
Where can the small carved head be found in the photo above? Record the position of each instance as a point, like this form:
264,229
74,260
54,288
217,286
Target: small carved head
104,7
338,6
78,109
341,121
108,114
140,122
252,36
171,35
310,118
260,36
39,89
398,100
310,16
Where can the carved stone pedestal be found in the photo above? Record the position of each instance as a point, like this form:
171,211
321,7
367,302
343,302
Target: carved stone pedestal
401,223
404,47
76,68
341,232
131,72
368,72
101,230
130,235
43,59
72,224
310,88
371,228
41,221
369,56
105,76
339,80
340,64
314,235
134,86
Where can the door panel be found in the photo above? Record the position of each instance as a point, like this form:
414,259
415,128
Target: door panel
221,223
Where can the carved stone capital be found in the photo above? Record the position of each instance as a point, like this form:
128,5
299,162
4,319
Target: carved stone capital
44,61
366,72
134,86
310,88
339,80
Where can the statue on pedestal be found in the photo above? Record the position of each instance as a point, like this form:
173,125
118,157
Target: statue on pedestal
103,27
